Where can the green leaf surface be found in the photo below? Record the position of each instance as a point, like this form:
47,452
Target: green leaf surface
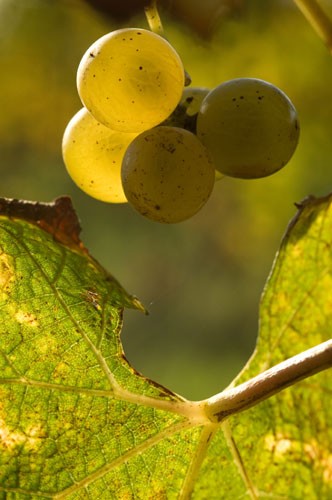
285,443
78,422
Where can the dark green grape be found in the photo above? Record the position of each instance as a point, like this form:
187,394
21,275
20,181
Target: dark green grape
249,126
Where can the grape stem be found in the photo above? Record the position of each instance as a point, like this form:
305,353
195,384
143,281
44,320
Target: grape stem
318,19
269,383
153,18
155,25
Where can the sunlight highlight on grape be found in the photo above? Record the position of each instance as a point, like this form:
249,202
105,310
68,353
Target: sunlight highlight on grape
93,155
130,79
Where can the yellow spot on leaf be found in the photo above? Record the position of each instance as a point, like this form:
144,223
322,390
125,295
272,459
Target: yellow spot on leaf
278,444
11,439
6,272
280,304
26,318
62,370
46,344
297,250
319,456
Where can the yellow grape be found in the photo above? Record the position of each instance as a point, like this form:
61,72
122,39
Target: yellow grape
249,126
93,155
130,79
167,174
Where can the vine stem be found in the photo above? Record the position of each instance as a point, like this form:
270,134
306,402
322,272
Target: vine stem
156,26
268,383
318,19
153,18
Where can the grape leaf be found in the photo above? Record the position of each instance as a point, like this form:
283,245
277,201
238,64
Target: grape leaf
78,422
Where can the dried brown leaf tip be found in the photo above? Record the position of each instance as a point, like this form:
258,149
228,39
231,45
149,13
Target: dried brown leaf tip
57,218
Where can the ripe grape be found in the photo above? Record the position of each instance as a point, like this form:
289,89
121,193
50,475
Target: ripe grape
167,174
130,79
249,126
93,155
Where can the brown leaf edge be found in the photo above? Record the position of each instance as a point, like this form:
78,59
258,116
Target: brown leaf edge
57,218
307,204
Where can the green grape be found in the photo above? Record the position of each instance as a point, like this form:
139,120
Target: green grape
249,126
192,98
130,79
167,174
93,155
185,114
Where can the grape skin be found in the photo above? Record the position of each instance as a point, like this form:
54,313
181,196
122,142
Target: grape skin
167,174
192,99
185,114
249,126
130,79
93,155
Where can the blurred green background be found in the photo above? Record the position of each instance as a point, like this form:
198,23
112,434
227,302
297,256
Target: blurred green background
202,279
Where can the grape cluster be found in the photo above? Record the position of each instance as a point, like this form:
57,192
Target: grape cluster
144,138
